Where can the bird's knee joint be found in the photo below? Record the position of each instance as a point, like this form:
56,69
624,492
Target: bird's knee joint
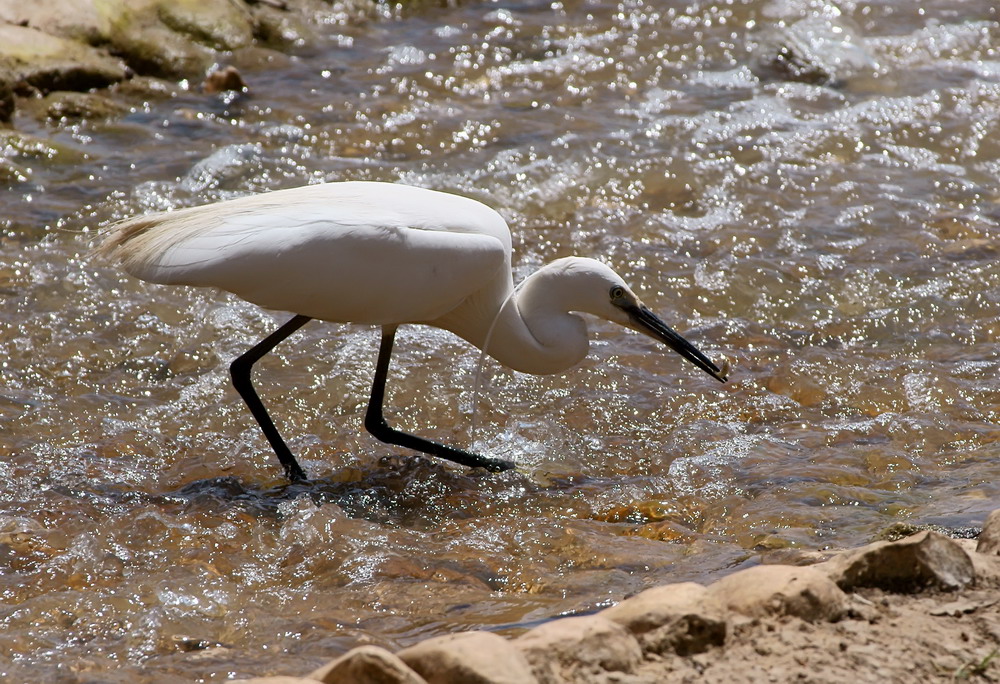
376,425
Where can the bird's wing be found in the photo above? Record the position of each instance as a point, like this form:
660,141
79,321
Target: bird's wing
372,254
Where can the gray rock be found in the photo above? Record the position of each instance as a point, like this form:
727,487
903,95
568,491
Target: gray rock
989,538
367,665
573,648
680,618
468,658
226,167
765,590
928,559
218,24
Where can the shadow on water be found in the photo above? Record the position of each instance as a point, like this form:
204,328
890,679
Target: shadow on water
400,491
410,492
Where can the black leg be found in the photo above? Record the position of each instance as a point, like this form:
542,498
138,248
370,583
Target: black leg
375,422
240,371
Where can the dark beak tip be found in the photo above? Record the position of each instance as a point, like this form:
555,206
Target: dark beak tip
650,324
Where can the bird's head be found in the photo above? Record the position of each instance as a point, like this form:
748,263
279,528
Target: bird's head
598,290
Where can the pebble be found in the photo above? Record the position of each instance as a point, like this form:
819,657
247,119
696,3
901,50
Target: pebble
222,80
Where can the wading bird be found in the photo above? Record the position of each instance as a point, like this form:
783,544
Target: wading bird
385,254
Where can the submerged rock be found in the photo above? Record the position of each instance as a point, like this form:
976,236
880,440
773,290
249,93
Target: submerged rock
815,45
928,559
226,167
680,618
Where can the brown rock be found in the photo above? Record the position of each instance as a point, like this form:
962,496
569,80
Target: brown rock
219,24
367,665
989,538
572,648
681,618
70,105
468,658
280,679
765,590
221,80
156,50
928,559
37,60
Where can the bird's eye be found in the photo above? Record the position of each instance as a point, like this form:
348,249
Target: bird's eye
617,292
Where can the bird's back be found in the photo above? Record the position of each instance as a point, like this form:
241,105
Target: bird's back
355,251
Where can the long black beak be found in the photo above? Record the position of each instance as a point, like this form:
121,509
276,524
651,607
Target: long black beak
649,323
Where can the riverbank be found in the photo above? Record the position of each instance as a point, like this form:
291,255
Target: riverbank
56,51
924,608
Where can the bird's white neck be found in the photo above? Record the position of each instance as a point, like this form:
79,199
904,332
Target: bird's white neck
529,329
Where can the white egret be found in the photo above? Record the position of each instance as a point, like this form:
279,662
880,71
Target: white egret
385,254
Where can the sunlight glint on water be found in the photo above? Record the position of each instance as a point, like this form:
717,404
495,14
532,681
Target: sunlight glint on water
836,240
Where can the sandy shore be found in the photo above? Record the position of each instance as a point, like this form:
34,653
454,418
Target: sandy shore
924,608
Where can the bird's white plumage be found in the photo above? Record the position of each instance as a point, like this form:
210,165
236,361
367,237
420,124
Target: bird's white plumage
385,254
346,252
388,254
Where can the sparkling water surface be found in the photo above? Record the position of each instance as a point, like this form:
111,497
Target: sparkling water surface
828,223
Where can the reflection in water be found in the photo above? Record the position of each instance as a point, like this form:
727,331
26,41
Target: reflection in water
829,226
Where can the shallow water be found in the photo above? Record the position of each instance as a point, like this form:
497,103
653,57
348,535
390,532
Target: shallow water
835,239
